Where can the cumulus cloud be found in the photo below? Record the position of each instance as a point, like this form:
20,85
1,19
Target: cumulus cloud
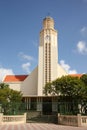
25,57
84,31
82,47
29,59
67,67
4,72
26,67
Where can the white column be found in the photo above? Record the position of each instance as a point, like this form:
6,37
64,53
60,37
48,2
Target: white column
1,118
29,103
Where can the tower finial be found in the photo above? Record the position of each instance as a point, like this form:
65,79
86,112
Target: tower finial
48,14
48,22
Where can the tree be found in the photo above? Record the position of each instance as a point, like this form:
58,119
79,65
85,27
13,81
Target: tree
84,79
3,85
9,99
66,86
48,89
15,101
69,90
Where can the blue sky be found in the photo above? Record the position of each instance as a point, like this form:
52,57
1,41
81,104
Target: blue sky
20,24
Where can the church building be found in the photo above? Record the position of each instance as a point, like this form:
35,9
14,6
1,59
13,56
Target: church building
47,70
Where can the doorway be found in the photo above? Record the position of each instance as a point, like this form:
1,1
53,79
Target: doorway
47,106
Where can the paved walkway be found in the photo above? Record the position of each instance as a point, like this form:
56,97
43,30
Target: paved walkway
39,126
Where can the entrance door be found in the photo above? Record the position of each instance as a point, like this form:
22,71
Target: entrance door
47,106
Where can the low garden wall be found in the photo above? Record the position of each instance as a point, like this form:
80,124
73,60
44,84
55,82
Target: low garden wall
12,119
72,120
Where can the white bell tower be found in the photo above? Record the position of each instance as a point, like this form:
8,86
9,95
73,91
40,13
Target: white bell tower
48,54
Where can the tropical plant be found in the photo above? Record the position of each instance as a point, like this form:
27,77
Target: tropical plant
10,100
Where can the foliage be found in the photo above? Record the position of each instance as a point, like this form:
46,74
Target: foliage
70,89
84,103
9,98
3,85
66,86
84,79
48,89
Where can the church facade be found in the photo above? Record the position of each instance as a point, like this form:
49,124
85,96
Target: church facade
47,70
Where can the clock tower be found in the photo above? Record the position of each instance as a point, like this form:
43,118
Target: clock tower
48,54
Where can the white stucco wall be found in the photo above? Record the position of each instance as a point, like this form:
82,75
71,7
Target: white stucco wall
40,72
29,85
54,55
14,85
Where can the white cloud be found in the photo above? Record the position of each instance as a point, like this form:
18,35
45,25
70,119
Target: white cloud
84,31
72,72
26,67
25,57
82,47
67,67
4,72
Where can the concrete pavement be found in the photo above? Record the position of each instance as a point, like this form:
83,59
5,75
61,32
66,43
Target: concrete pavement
39,126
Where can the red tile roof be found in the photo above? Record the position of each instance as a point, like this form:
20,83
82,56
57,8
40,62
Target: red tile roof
19,78
76,75
15,78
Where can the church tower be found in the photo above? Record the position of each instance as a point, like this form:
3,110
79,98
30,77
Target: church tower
48,54
48,68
